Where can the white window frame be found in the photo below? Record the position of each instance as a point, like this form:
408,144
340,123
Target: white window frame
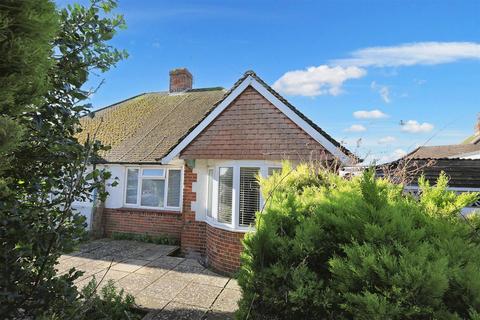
139,187
236,165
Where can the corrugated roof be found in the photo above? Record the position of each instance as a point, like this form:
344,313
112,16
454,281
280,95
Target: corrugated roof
443,152
143,128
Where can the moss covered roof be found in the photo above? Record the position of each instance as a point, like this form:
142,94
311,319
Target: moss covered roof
443,152
142,129
472,139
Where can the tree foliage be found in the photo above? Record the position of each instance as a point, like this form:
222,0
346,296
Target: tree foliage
330,248
44,168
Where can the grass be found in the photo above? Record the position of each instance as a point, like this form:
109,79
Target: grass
145,238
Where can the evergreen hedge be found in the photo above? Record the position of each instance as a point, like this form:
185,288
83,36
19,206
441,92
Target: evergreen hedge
330,248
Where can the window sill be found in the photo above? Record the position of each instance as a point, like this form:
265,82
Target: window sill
139,209
226,227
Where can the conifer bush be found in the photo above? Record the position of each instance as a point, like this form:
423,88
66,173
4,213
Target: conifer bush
330,248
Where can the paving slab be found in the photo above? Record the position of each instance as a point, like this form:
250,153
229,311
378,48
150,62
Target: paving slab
133,283
110,275
165,289
146,301
189,267
171,287
129,265
211,278
152,270
219,315
227,301
166,262
197,294
178,311
156,251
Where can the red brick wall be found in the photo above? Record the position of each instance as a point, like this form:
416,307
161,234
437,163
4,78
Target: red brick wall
193,233
252,128
159,223
180,80
223,249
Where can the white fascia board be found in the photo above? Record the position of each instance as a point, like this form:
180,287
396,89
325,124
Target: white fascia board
459,189
470,156
317,136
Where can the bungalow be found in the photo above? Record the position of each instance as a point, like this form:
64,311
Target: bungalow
187,160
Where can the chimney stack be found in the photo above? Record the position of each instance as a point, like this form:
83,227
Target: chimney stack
180,80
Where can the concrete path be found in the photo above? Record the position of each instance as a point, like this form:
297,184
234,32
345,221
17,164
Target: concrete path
169,287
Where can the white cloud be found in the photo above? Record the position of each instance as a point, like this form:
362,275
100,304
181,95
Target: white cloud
372,114
384,158
315,81
413,126
387,140
396,154
384,91
356,128
409,54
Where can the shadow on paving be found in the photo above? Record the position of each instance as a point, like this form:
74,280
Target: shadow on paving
184,312
168,286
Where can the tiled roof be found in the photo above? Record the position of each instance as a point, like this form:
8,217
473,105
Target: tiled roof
443,152
143,128
301,115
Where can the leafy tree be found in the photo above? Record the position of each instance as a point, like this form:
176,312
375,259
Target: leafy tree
330,248
47,167
25,53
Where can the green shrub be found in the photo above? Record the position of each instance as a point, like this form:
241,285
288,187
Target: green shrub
145,237
330,248
108,304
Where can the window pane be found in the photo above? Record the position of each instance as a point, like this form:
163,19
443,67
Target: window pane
152,192
209,192
132,186
154,172
249,195
225,184
273,170
173,197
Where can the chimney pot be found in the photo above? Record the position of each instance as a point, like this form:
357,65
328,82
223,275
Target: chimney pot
180,80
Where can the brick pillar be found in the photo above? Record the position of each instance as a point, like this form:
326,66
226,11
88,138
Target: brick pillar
193,238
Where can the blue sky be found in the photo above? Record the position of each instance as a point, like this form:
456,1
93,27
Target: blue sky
415,63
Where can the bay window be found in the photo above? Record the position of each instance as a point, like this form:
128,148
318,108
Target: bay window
233,194
158,188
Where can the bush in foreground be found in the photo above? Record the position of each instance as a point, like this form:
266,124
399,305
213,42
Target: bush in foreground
330,248
100,302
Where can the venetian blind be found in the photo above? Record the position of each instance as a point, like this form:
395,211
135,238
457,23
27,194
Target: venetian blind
249,195
225,188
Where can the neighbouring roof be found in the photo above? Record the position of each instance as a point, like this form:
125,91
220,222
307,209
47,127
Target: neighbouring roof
143,128
460,162
444,152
